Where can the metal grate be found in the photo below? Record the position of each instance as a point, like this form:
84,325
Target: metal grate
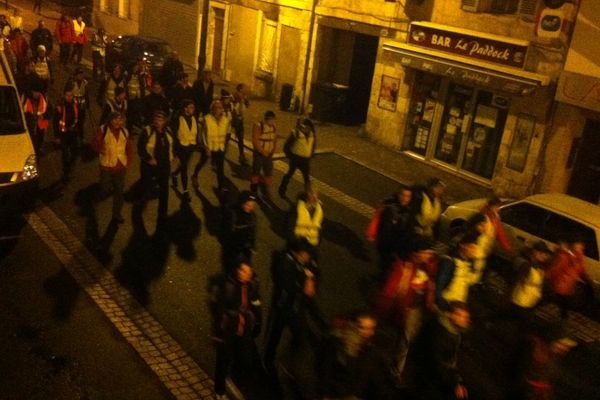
528,9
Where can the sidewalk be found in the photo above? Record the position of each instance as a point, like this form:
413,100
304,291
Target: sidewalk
348,142
351,143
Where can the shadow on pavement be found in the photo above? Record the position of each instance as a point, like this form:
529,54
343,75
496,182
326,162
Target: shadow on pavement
10,233
340,234
144,258
64,290
183,228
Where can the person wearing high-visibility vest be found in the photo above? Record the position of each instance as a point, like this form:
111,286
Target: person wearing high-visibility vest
35,107
115,148
155,148
99,42
79,39
66,128
186,130
79,86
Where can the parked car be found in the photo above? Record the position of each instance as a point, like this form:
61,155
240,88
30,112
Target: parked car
18,162
544,217
127,49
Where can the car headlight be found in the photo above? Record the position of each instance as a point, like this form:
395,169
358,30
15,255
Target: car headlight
30,169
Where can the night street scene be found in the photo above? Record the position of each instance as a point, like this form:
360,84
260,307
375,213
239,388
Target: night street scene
300,199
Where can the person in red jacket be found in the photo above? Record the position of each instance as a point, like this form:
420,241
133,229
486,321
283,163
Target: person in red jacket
64,34
407,295
113,143
20,47
566,271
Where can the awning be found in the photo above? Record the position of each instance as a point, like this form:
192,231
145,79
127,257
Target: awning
466,70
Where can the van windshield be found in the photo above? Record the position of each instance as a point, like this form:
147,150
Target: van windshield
11,122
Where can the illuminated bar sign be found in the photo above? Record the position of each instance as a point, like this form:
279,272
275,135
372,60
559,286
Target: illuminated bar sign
461,42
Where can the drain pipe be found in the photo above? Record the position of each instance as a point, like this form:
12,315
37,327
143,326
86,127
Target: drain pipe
313,17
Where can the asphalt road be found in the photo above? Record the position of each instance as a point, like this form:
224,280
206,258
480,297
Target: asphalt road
55,331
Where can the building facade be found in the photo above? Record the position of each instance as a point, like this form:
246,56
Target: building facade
471,90
574,166
117,16
473,87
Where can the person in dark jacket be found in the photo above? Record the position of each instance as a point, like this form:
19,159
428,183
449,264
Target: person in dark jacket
350,367
180,92
295,277
395,229
203,92
66,129
155,148
457,273
239,322
155,101
240,231
170,72
41,35
443,373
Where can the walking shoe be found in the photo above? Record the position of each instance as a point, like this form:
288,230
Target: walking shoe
118,219
186,196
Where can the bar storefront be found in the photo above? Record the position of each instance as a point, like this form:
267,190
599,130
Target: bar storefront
470,105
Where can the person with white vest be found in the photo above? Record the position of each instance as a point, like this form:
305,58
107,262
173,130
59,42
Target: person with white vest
186,138
430,209
309,218
456,272
155,148
299,147
214,136
115,149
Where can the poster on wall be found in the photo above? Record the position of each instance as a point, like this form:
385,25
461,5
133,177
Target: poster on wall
388,93
519,147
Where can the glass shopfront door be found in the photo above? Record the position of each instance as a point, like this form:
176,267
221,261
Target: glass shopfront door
457,125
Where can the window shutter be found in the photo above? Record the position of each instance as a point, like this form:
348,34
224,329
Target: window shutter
474,5
528,9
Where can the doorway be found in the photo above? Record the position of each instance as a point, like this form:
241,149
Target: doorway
585,178
471,130
345,62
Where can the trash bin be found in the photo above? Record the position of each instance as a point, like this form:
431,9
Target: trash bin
285,97
330,103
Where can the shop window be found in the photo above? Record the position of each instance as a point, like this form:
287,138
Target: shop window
268,37
421,112
124,8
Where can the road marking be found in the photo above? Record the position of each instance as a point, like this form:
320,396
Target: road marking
174,368
347,201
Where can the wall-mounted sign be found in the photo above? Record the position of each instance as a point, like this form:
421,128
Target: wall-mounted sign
468,75
579,90
469,45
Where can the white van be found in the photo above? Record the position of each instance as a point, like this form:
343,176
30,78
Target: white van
18,163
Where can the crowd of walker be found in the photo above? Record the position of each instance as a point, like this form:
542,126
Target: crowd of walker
423,292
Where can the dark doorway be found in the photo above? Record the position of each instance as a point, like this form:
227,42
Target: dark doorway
361,77
345,61
585,179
